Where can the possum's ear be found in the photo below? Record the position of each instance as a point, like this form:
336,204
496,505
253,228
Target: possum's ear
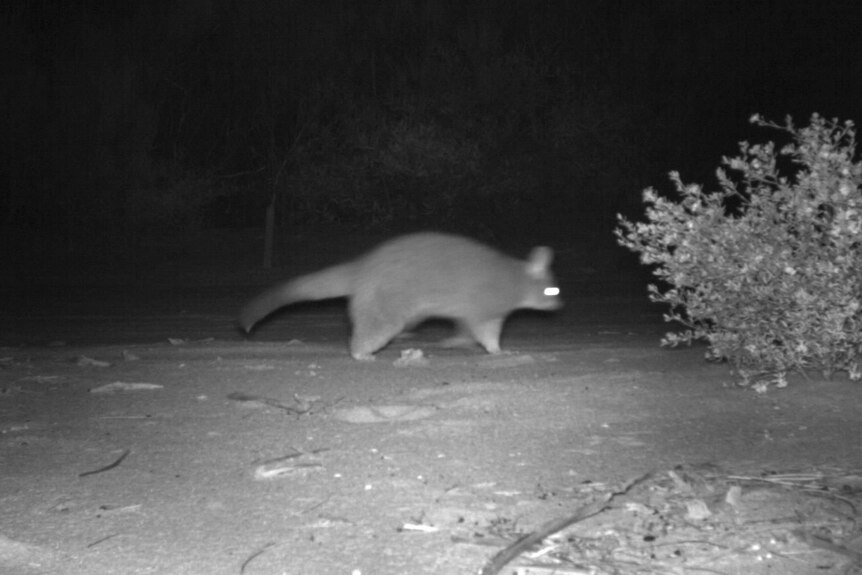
539,261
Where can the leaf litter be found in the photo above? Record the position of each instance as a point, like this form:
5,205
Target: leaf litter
698,520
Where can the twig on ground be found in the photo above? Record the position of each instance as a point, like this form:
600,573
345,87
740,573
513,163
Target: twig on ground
254,556
503,557
107,467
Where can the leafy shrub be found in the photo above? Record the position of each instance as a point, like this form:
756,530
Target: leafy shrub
768,268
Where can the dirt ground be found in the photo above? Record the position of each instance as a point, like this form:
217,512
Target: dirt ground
141,433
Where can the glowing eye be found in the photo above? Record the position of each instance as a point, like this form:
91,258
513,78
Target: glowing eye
552,291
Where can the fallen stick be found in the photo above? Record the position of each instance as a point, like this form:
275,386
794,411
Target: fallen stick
504,556
109,466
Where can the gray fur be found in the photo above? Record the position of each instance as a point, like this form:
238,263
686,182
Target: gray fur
418,276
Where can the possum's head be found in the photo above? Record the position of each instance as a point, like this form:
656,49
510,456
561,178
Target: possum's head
542,291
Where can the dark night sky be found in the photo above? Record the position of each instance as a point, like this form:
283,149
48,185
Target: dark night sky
113,96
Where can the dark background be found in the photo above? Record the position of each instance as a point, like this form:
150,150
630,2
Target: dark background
128,122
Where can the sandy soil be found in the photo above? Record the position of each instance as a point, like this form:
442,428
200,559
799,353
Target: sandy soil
280,454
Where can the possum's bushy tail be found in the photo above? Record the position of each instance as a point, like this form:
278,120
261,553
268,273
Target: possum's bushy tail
333,282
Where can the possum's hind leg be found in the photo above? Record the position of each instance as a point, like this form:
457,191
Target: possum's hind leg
373,328
486,332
